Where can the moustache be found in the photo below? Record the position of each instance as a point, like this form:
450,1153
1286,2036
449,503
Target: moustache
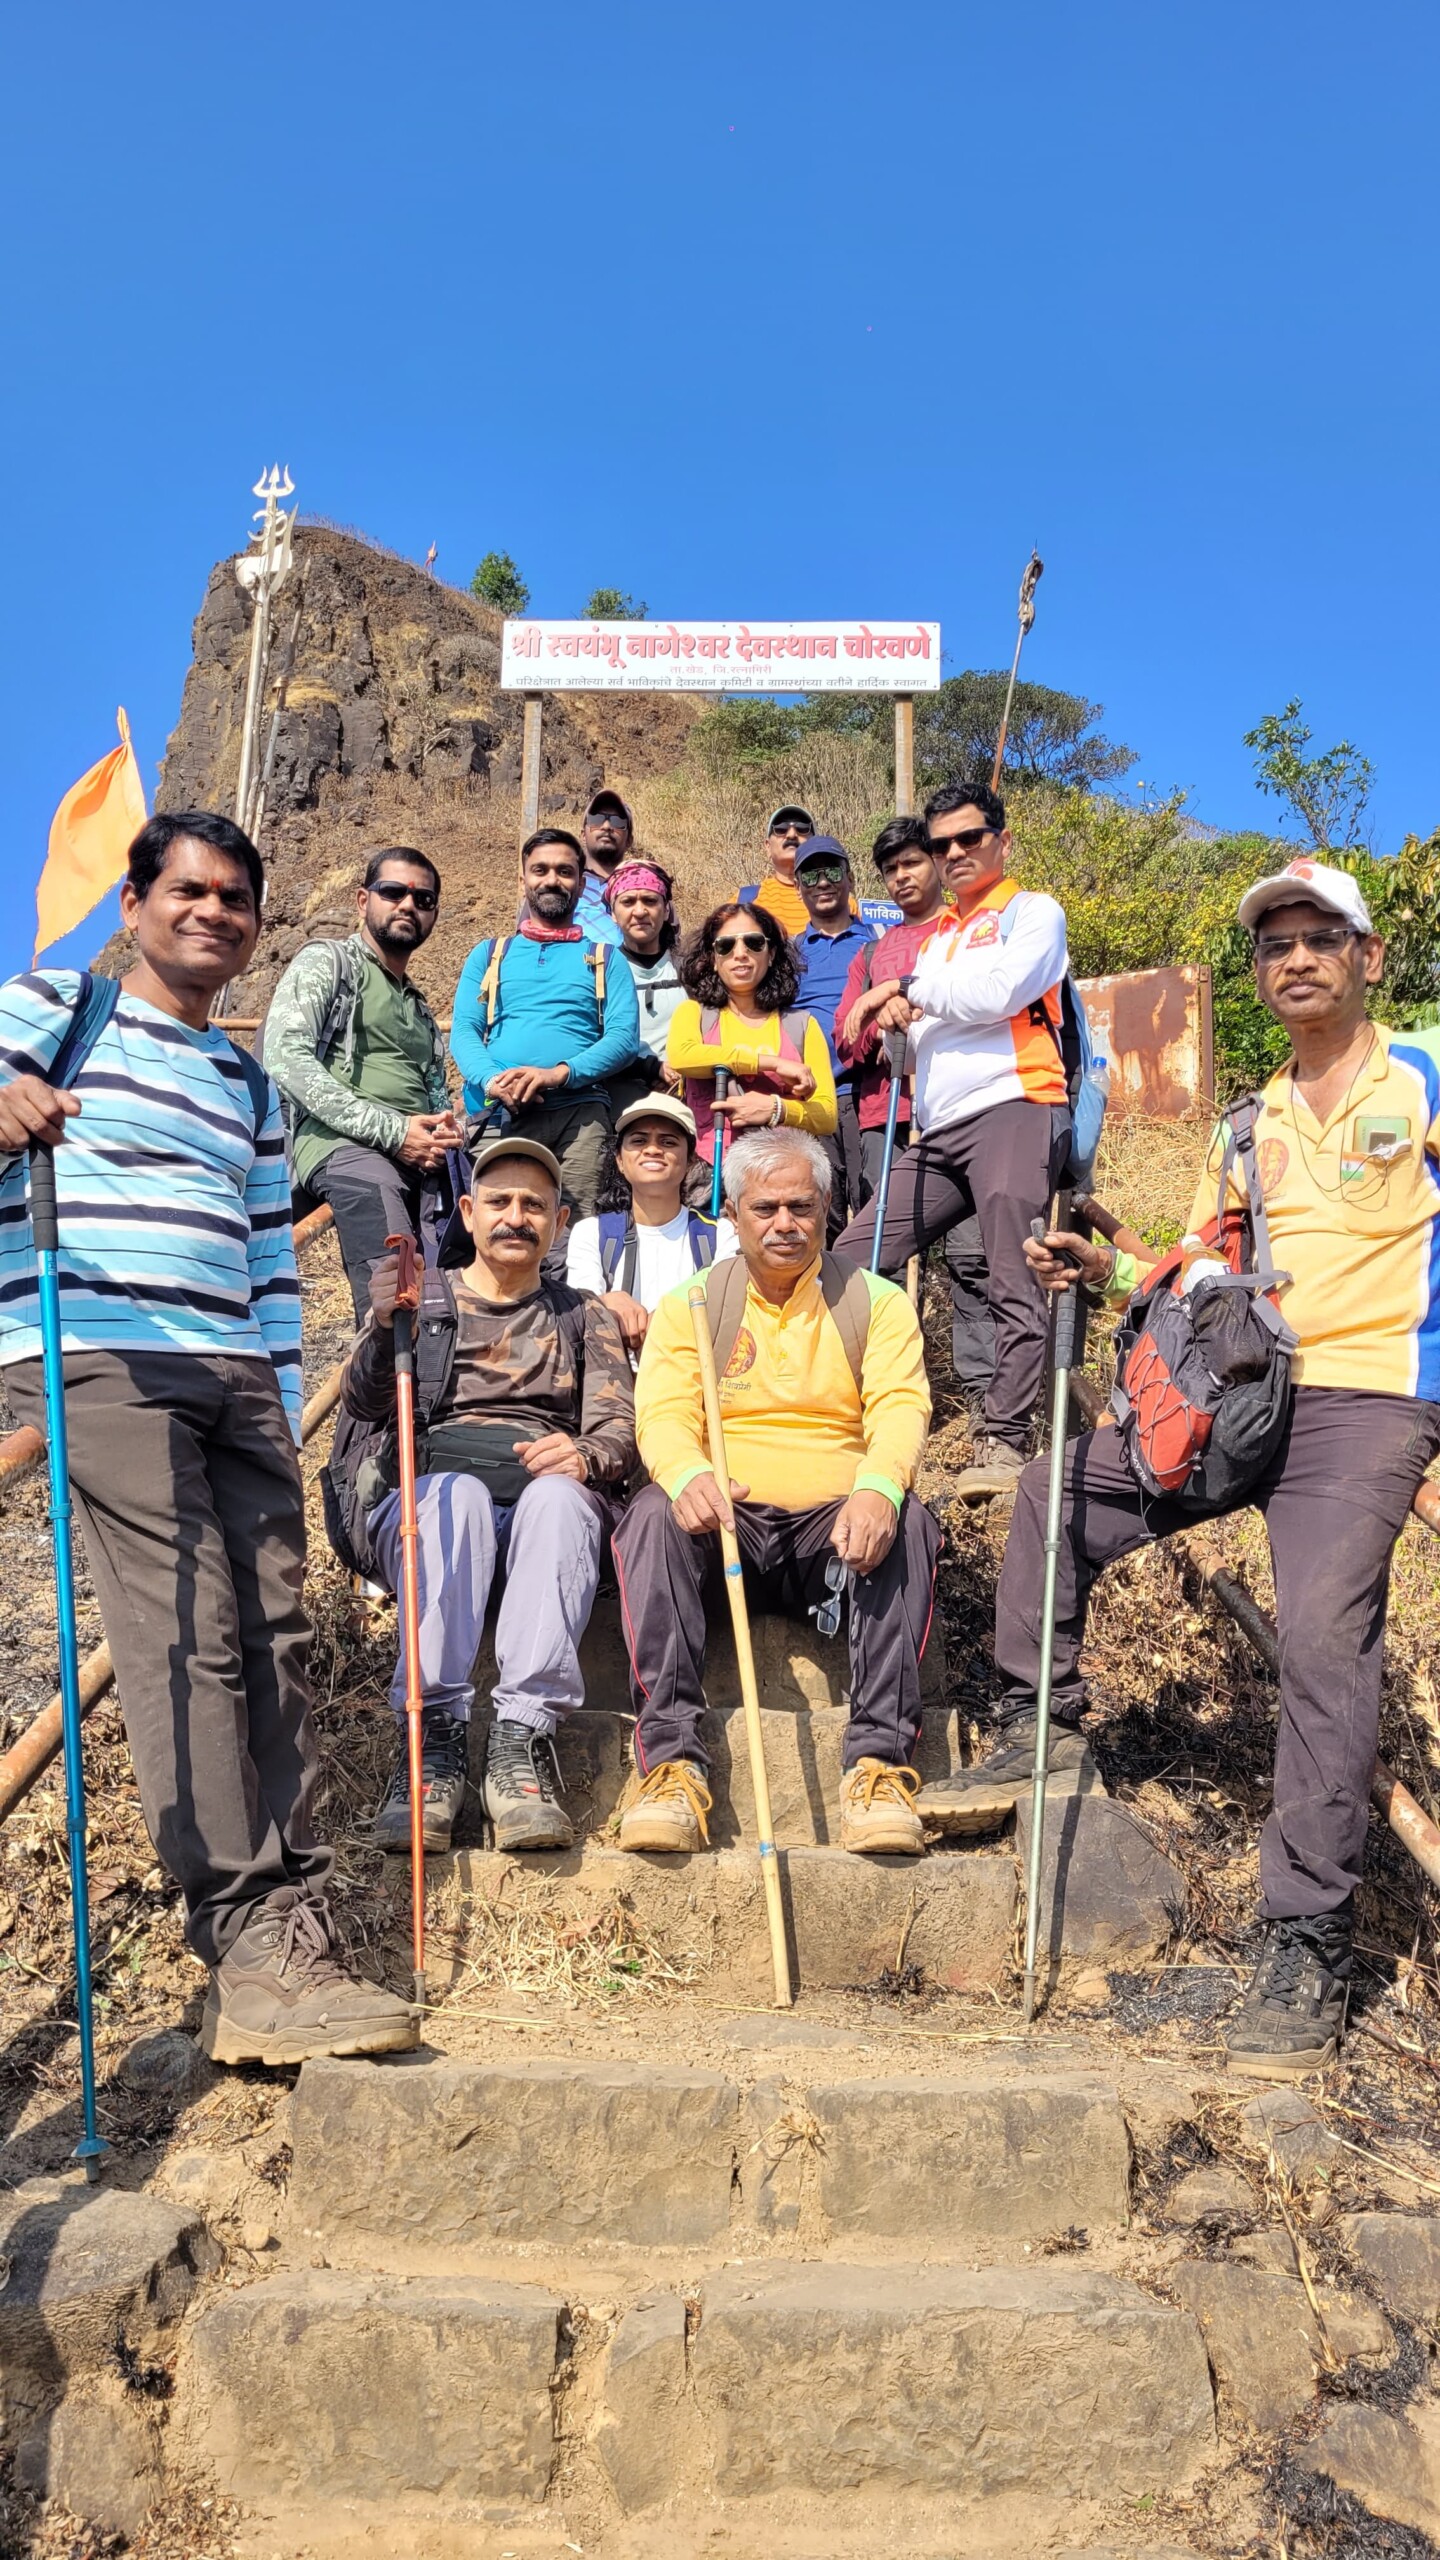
513,1235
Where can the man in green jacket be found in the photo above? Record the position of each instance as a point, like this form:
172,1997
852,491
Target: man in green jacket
357,1052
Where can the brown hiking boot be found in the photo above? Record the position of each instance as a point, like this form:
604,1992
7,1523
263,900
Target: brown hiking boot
994,1469
281,1994
877,1810
668,1811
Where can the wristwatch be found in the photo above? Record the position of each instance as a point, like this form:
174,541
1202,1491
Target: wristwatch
906,983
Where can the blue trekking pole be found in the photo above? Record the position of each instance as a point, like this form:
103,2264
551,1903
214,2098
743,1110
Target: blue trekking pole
895,1054
717,1180
46,1227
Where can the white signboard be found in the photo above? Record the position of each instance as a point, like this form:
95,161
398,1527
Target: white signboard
721,657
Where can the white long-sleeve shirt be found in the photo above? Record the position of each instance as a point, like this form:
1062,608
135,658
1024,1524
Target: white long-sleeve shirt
990,995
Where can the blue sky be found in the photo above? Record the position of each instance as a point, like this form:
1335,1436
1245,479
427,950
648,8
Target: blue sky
800,311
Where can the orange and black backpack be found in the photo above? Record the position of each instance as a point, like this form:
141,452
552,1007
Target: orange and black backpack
1202,1359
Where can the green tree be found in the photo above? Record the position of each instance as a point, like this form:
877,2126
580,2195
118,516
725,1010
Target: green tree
1327,793
1052,738
497,581
607,604
743,732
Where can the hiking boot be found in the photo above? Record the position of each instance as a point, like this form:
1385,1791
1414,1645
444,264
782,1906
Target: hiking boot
443,1761
877,1810
668,1810
281,1993
1292,2016
522,1789
994,1469
983,1796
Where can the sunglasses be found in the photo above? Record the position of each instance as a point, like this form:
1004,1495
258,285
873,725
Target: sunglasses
827,1613
1325,941
964,841
725,943
823,871
791,827
395,892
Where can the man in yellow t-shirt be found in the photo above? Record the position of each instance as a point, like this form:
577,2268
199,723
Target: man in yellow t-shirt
821,1467
1346,1140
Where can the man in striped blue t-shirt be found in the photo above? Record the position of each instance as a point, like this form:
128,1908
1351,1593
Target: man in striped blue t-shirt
181,1331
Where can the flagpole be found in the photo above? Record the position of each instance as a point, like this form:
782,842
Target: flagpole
1034,572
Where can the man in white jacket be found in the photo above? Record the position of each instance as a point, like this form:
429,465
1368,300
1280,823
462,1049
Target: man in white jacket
982,1008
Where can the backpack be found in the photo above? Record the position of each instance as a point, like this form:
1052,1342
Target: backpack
337,1024
620,1246
792,1028
364,1462
490,983
844,1287
1202,1380
1087,1074
95,1004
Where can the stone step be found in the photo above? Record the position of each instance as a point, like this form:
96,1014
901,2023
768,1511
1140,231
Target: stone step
426,2159
849,1918
803,1748
909,2382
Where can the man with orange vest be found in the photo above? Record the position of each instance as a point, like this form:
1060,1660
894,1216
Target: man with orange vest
983,1010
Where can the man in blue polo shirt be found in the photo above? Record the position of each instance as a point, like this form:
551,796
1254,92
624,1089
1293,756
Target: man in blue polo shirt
826,948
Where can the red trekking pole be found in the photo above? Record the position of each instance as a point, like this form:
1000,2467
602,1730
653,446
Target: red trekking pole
407,1299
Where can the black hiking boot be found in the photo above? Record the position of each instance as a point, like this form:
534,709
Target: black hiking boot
522,1789
443,1761
983,1796
283,1993
1292,2017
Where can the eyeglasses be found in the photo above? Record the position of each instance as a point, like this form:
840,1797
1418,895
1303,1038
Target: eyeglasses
826,1613
395,892
1325,941
964,841
725,943
823,871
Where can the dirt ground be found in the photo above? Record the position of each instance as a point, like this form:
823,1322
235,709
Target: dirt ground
1182,1719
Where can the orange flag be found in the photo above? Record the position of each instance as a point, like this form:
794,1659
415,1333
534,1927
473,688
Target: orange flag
90,837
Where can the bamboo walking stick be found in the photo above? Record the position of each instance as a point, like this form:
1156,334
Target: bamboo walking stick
745,1658
1034,572
406,1301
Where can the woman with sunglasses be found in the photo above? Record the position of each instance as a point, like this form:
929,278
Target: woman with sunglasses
740,982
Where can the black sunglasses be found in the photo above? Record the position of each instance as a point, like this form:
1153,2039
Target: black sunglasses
395,892
729,942
964,841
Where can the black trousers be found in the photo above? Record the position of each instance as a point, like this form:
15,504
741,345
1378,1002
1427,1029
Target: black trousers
1335,1500
372,1197
669,1582
854,1155
1000,1168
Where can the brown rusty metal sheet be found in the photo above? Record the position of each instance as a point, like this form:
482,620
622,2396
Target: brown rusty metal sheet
1156,1027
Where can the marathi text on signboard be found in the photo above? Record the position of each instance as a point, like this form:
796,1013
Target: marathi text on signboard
721,657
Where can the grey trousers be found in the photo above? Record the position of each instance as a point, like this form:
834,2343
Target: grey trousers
1335,1500
187,1487
552,1540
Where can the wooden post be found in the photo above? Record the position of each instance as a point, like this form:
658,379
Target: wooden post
530,764
904,754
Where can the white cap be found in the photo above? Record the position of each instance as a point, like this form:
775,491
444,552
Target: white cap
658,1106
1307,879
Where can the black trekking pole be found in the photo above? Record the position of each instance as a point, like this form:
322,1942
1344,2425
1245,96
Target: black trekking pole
895,1057
1063,1360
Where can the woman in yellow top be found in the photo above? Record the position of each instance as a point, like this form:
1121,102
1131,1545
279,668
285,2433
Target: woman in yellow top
738,1012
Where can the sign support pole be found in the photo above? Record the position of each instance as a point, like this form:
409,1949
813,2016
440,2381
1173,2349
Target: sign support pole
530,764
904,754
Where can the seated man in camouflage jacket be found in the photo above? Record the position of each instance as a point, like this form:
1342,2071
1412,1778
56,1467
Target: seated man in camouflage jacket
357,1054
525,1432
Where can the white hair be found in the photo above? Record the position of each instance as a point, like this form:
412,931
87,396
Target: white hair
760,1149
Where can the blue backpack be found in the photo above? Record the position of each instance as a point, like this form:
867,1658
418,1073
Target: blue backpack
1087,1073
94,1006
620,1246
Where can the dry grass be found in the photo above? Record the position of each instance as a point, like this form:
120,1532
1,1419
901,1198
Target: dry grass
709,828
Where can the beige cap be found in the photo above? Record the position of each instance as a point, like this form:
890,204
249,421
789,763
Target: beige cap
494,1148
1305,878
658,1106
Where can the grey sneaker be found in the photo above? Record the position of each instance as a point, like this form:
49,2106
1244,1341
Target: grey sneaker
981,1797
281,1994
994,1469
522,1789
1292,2017
443,1762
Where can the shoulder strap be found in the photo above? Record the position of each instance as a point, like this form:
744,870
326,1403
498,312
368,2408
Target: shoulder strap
710,1024
702,1240
846,1294
867,967
95,1002
570,1316
490,984
613,1224
257,1084
793,1027
725,1305
595,959
1240,1147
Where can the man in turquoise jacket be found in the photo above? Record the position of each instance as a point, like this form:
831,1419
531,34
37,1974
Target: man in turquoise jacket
542,1017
